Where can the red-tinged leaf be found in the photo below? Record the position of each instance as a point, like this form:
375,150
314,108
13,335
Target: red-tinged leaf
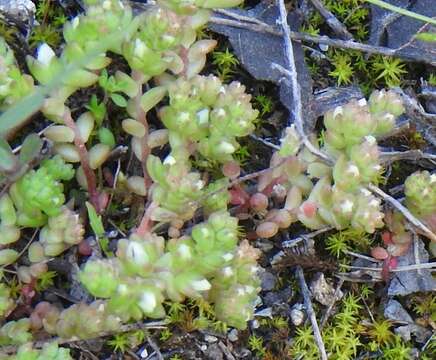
379,253
309,208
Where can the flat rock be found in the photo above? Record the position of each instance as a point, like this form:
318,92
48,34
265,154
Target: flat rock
394,311
257,51
408,282
397,31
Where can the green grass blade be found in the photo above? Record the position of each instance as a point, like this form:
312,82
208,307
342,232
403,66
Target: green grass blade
402,11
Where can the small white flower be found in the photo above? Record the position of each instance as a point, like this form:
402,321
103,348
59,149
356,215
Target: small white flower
201,285
169,160
353,169
221,112
347,206
222,90
184,117
203,116
240,291
389,117
45,54
227,271
122,289
107,5
140,48
432,178
75,22
227,257
148,302
136,253
185,251
226,148
370,139
168,38
362,102
199,184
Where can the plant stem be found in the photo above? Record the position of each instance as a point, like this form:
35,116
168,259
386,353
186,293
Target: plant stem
144,227
84,161
402,11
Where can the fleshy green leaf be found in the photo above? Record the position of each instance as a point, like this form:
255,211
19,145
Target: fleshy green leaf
8,161
119,100
30,149
95,220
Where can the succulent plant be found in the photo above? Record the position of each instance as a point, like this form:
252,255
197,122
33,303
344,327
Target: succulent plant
61,232
146,271
6,302
49,351
15,332
339,197
13,84
39,193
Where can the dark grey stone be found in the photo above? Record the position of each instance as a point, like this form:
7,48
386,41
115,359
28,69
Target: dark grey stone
257,51
397,31
408,282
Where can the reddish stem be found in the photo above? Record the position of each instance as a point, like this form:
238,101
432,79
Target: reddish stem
84,161
145,225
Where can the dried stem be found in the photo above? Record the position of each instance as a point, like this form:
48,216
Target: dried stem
84,161
245,22
387,157
409,216
328,312
310,312
339,28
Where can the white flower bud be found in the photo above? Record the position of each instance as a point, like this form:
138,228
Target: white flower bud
169,160
140,48
201,285
226,148
148,302
136,253
45,54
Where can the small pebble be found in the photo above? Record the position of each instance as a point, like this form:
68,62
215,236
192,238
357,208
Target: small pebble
210,338
255,324
297,314
233,335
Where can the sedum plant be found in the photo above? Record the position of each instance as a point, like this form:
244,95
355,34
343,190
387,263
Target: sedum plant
208,264
202,117
49,351
339,197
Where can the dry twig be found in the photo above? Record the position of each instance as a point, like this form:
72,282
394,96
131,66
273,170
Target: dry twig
246,22
409,216
339,28
326,315
310,311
